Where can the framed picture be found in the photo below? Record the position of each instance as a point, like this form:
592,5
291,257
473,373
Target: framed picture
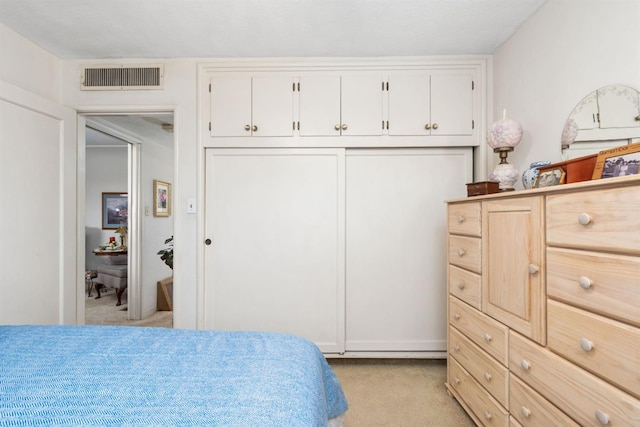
162,198
618,161
549,178
115,210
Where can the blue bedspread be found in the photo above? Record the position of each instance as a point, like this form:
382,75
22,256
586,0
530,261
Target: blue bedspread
118,375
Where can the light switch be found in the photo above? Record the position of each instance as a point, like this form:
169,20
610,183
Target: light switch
146,211
191,206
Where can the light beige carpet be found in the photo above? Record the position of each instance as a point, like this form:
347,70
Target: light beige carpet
398,393
103,311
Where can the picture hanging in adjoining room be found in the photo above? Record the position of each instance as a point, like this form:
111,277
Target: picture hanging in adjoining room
115,210
162,198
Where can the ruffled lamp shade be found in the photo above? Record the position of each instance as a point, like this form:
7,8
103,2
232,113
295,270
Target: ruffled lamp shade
503,136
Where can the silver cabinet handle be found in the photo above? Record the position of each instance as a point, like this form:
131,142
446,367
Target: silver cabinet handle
337,127
344,127
435,126
427,126
247,127
254,128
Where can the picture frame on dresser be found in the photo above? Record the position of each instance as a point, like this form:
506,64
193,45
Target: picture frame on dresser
550,177
618,161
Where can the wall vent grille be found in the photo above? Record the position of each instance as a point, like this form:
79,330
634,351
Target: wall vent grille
122,77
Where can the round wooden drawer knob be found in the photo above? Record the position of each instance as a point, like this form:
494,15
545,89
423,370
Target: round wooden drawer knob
525,365
526,412
586,345
602,417
585,282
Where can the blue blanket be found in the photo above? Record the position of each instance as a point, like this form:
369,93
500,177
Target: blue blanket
118,375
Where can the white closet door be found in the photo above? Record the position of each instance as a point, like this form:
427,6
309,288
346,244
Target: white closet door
396,246
276,262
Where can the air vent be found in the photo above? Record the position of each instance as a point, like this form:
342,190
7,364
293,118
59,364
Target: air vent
122,77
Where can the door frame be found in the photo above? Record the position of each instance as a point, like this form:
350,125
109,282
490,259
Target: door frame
135,233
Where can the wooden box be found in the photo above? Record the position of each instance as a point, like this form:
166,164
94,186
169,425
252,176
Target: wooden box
484,187
165,294
577,170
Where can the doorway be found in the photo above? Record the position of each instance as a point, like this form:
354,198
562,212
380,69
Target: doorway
124,153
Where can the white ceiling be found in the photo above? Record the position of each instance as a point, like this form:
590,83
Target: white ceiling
98,29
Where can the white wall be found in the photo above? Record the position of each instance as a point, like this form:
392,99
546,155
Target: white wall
27,66
107,171
178,95
566,50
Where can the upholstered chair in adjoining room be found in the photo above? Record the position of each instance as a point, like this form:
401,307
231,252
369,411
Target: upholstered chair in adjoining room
113,274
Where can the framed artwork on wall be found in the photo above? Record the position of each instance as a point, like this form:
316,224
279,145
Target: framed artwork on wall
162,198
115,210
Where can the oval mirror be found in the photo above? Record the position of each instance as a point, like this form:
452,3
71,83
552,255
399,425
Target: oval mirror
607,117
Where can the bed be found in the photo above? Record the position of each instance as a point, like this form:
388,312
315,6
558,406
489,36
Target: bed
123,375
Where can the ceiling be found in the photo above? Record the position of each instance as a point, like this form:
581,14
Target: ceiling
101,29
103,131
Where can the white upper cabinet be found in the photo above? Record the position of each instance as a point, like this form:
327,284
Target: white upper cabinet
619,107
243,105
341,105
425,104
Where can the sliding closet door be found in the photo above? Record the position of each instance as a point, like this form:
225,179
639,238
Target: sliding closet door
396,246
38,215
275,262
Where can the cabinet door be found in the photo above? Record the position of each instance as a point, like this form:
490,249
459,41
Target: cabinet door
513,287
451,104
361,105
276,262
409,104
230,106
618,107
396,246
320,106
272,106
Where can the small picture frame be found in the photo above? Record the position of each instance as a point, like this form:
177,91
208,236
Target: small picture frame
550,177
115,210
617,161
161,198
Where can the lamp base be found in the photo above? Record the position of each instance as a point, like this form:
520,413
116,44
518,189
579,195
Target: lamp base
506,174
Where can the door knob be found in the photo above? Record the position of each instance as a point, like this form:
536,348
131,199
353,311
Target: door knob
337,127
247,128
207,242
435,126
254,128
344,127
427,126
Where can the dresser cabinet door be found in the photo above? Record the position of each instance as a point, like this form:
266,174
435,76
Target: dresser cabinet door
512,254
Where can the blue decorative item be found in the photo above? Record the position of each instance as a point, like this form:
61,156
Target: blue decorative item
529,176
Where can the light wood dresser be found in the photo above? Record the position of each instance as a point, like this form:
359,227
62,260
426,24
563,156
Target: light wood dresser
544,305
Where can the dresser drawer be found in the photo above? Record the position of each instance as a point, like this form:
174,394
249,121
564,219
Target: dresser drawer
530,409
605,283
601,220
607,348
464,218
465,285
485,369
486,332
586,398
465,252
484,407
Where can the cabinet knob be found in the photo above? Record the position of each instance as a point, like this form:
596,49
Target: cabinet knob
456,380
456,316
435,126
456,348
461,252
207,242
526,412
638,118
344,127
586,345
337,127
533,269
585,282
602,417
427,126
254,128
487,376
487,415
525,365
460,219
584,218
247,128
488,337
461,285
